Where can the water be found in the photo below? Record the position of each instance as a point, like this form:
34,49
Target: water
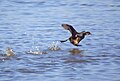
35,24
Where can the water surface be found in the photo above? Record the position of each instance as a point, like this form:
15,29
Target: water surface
35,24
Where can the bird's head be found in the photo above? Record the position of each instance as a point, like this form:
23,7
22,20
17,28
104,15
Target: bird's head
87,33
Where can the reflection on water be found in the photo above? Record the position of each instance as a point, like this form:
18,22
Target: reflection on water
31,26
76,51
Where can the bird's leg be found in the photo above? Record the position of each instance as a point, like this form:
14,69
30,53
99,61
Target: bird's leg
64,40
77,45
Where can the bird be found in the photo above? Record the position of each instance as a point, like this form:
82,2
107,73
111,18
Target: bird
76,36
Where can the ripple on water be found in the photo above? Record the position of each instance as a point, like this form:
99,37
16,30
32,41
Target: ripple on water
27,70
33,25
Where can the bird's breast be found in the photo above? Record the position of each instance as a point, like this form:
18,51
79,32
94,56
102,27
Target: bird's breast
77,40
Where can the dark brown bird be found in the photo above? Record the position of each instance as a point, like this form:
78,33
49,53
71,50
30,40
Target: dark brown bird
76,37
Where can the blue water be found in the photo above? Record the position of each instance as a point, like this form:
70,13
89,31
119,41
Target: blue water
35,24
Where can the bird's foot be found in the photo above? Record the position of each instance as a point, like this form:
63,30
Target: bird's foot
77,45
63,41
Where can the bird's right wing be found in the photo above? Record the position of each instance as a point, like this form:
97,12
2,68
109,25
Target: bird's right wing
70,28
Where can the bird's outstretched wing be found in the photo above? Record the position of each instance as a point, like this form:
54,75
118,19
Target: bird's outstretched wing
70,28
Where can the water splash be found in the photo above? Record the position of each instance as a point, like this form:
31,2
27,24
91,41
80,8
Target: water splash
54,46
9,52
36,51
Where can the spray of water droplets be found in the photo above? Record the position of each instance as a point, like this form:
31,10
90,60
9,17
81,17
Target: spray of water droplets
36,51
54,46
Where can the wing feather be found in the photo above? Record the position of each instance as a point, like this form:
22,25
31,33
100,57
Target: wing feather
70,28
